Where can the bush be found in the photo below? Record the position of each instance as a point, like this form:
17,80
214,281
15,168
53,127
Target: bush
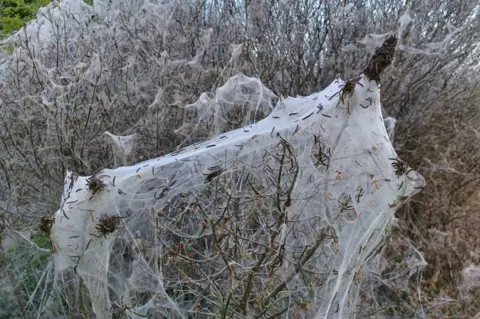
55,107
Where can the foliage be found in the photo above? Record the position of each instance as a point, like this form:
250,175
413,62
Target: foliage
24,268
15,13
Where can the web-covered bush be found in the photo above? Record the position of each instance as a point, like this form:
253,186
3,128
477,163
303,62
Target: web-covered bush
225,227
130,68
277,217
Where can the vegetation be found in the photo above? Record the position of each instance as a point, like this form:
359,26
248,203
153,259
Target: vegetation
23,266
55,120
15,13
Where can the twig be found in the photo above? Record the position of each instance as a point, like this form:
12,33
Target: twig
308,253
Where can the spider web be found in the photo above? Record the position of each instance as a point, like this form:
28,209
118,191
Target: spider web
275,217
275,214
